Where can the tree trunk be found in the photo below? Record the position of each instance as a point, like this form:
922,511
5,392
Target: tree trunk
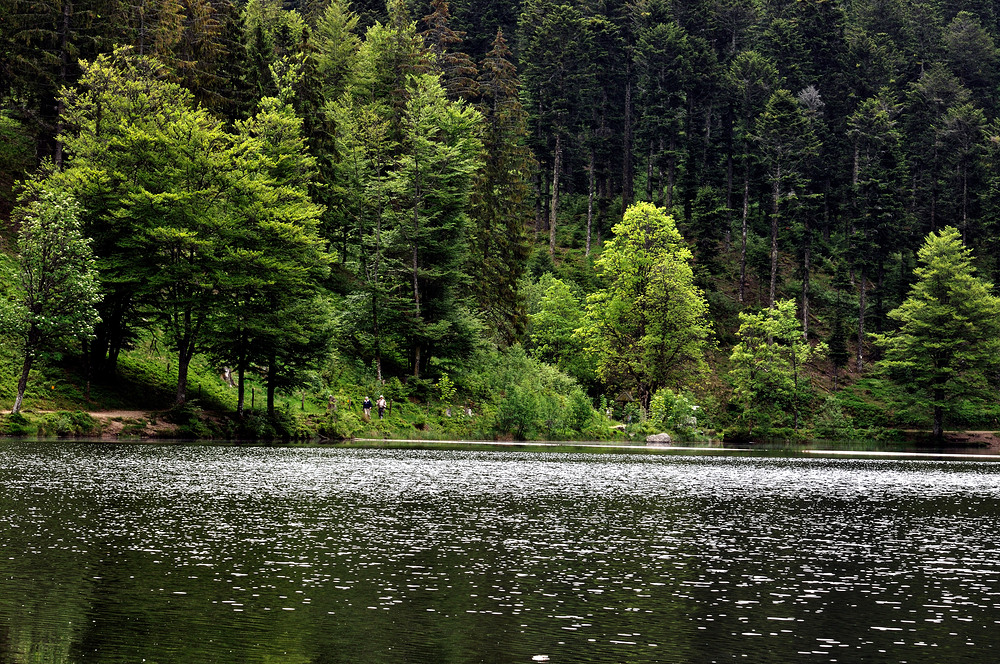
627,182
240,390
22,383
806,256
938,414
649,171
590,199
776,195
862,292
554,205
671,171
743,242
184,355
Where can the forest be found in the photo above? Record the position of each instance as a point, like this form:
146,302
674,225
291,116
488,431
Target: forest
749,217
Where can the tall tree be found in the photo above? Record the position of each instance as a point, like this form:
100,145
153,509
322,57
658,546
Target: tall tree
501,207
430,195
58,287
750,82
457,69
649,326
554,43
948,342
786,140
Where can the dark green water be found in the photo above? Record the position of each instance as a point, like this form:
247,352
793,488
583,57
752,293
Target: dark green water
188,554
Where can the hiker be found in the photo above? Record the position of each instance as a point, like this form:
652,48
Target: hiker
381,406
367,406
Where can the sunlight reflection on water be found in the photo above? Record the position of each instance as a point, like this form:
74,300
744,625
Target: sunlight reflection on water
113,553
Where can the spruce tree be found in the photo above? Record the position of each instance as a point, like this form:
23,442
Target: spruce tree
947,345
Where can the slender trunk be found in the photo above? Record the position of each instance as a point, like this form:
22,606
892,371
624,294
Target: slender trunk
862,293
671,171
649,171
627,181
965,203
554,204
240,389
590,198
938,414
659,177
22,383
776,196
729,181
539,205
743,229
806,256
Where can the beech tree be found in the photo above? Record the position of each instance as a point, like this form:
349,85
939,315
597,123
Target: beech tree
58,285
948,341
767,365
649,326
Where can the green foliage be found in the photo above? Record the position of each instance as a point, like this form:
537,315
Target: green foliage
58,282
948,339
649,327
554,336
675,412
768,367
523,398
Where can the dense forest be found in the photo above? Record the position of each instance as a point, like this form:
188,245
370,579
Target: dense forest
737,214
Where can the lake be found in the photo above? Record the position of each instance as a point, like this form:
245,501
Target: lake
197,553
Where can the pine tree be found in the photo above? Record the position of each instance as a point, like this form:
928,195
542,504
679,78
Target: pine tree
948,341
500,198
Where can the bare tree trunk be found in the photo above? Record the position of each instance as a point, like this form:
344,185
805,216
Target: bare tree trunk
590,198
806,257
938,414
776,196
743,241
627,182
240,390
862,292
671,171
22,382
554,205
649,172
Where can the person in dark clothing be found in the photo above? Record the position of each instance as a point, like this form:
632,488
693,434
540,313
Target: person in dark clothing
367,406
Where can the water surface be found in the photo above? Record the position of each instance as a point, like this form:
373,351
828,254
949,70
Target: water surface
130,553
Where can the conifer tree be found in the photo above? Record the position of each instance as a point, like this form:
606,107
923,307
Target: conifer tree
500,198
948,341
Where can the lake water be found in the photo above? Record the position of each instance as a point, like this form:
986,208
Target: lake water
145,553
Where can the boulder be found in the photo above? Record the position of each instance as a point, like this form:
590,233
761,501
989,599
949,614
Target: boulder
659,439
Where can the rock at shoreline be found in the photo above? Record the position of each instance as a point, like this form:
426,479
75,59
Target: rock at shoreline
659,439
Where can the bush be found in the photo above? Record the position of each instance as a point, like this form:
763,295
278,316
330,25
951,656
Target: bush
340,425
674,412
16,424
832,423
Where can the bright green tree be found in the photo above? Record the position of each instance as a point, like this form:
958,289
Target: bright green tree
553,332
649,326
58,287
274,256
948,341
767,365
430,191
